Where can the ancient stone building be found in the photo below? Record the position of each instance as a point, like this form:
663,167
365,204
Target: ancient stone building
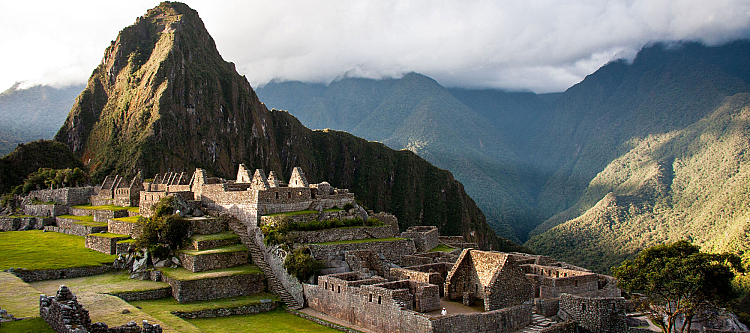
492,277
425,237
594,314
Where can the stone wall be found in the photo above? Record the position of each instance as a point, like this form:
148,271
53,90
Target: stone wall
73,227
70,196
428,258
566,327
124,247
393,250
502,320
430,273
24,223
147,201
45,210
215,288
106,215
207,225
134,230
65,315
223,312
551,281
62,273
594,314
210,261
547,307
144,295
425,237
107,245
212,243
457,242
342,234
274,257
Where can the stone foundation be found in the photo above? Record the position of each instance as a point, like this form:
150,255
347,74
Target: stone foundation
215,288
393,250
77,230
103,244
212,243
207,225
63,273
425,237
25,223
204,262
343,234
132,229
144,295
605,314
45,210
223,312
69,196
106,215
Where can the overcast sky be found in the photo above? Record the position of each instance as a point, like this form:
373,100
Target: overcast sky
537,45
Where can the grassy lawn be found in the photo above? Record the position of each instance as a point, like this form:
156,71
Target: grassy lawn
85,218
442,248
182,274
16,296
367,240
268,322
105,283
223,249
33,250
110,235
31,325
219,236
129,219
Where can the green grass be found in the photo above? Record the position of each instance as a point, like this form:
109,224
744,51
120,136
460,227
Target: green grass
105,207
109,283
134,209
162,308
299,212
219,236
16,296
31,325
186,275
268,322
126,241
85,218
223,249
19,216
367,240
110,235
129,219
442,248
37,250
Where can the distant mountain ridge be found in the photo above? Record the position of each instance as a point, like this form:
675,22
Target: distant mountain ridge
163,99
33,113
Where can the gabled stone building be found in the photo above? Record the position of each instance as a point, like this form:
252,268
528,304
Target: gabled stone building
492,277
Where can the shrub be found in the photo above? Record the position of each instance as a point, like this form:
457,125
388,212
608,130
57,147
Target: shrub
164,231
348,206
301,264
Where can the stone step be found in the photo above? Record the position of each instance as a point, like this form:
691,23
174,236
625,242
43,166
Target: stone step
211,241
216,258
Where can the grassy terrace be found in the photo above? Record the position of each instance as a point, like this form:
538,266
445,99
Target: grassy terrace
220,236
367,240
269,322
304,212
18,216
223,249
186,275
442,248
85,218
31,250
106,207
129,219
109,283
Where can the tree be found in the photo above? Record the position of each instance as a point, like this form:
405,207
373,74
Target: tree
679,280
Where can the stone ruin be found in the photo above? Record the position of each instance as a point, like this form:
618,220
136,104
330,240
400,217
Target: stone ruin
65,315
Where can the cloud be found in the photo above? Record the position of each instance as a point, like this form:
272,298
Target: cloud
542,45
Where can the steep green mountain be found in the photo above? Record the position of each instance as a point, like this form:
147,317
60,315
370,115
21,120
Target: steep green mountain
29,157
418,114
33,113
599,119
691,184
163,99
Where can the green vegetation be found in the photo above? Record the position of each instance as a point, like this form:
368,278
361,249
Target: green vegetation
85,218
219,236
182,274
164,231
442,248
18,297
21,249
109,235
678,280
223,249
278,234
91,224
268,322
108,283
367,240
31,325
299,212
52,178
301,264
129,219
101,207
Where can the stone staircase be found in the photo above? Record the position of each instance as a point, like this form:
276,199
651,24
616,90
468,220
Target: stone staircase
258,259
538,323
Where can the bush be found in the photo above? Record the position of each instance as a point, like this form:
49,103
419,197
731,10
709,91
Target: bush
301,264
348,206
164,231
